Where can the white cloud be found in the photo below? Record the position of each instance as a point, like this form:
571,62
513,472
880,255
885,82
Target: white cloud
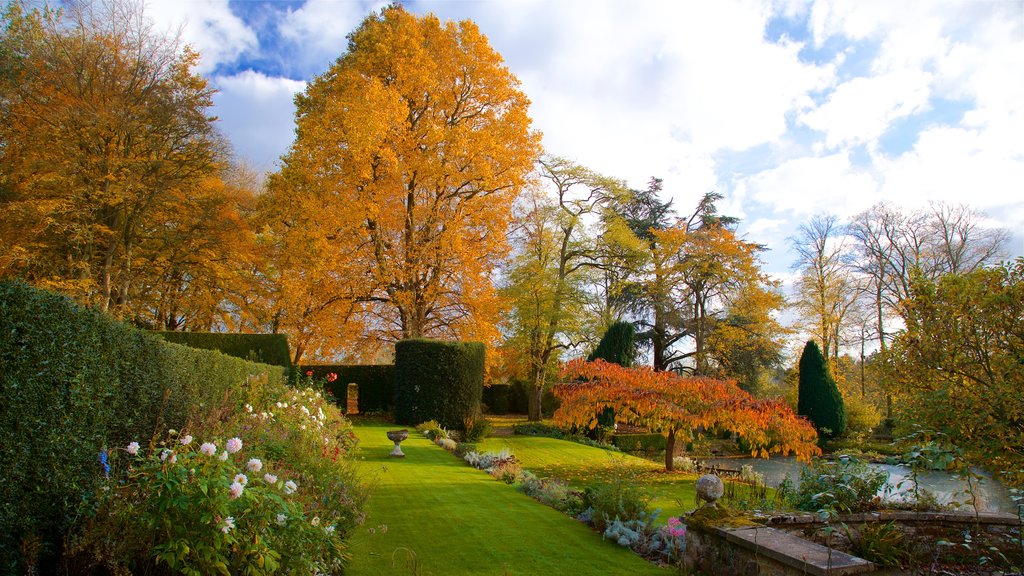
210,27
861,110
812,185
318,29
257,111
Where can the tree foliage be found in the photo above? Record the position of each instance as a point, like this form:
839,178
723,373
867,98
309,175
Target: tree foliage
616,346
819,397
671,404
548,273
409,153
959,362
110,168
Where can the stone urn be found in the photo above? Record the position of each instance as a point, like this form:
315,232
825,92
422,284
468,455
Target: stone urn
397,436
710,489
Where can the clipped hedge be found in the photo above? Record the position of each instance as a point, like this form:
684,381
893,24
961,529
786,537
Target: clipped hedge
74,382
265,348
437,380
640,442
376,383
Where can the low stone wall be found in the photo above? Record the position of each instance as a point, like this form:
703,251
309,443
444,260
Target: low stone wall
923,532
764,551
791,545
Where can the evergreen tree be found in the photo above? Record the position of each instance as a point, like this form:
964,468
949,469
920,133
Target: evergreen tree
819,399
616,346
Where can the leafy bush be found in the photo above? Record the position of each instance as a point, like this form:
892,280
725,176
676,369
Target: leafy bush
845,485
438,380
620,499
475,429
266,348
280,495
684,464
552,492
538,429
640,442
883,543
75,382
432,430
376,383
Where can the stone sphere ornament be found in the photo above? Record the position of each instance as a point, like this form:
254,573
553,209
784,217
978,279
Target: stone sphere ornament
397,436
710,488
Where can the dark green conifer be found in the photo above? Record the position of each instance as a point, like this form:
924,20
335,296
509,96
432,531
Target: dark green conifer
820,399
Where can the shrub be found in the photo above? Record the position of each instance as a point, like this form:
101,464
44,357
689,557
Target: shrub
376,383
278,497
475,429
819,397
74,382
845,485
552,492
684,464
432,430
447,443
538,429
640,442
620,499
266,348
438,380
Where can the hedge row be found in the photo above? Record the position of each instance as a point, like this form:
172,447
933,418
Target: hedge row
376,384
436,380
265,348
640,442
513,398
74,382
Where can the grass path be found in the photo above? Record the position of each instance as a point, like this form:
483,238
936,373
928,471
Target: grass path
457,520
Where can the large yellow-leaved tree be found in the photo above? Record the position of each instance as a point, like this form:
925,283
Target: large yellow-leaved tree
409,152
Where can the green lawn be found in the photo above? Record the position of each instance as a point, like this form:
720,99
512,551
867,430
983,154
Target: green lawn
584,466
454,519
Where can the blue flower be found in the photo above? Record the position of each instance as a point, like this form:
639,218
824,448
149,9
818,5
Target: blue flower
103,462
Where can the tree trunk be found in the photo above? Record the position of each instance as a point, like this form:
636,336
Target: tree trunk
536,393
670,450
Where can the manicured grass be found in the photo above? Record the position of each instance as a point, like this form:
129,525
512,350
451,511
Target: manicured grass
454,519
582,466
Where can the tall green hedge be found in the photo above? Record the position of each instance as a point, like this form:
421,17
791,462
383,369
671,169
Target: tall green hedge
436,380
72,382
376,383
819,398
265,348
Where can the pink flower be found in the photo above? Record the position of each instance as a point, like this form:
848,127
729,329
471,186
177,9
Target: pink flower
236,489
290,487
208,448
254,465
229,523
332,377
241,479
133,449
234,445
309,372
186,440
269,478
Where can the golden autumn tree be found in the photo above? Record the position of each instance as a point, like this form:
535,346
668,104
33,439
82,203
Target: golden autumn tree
673,405
104,124
410,150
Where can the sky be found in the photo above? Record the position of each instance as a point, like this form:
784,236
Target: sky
787,108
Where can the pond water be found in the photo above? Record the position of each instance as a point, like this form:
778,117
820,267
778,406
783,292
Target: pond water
991,494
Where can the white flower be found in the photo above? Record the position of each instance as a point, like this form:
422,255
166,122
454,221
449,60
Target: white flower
229,523
305,411
241,479
269,478
234,445
290,487
329,529
165,454
133,448
263,415
208,448
320,413
281,519
254,465
236,489
279,405
186,440
248,408
315,521
172,431
223,456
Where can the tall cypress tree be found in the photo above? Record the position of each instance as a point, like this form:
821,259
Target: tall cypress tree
820,399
